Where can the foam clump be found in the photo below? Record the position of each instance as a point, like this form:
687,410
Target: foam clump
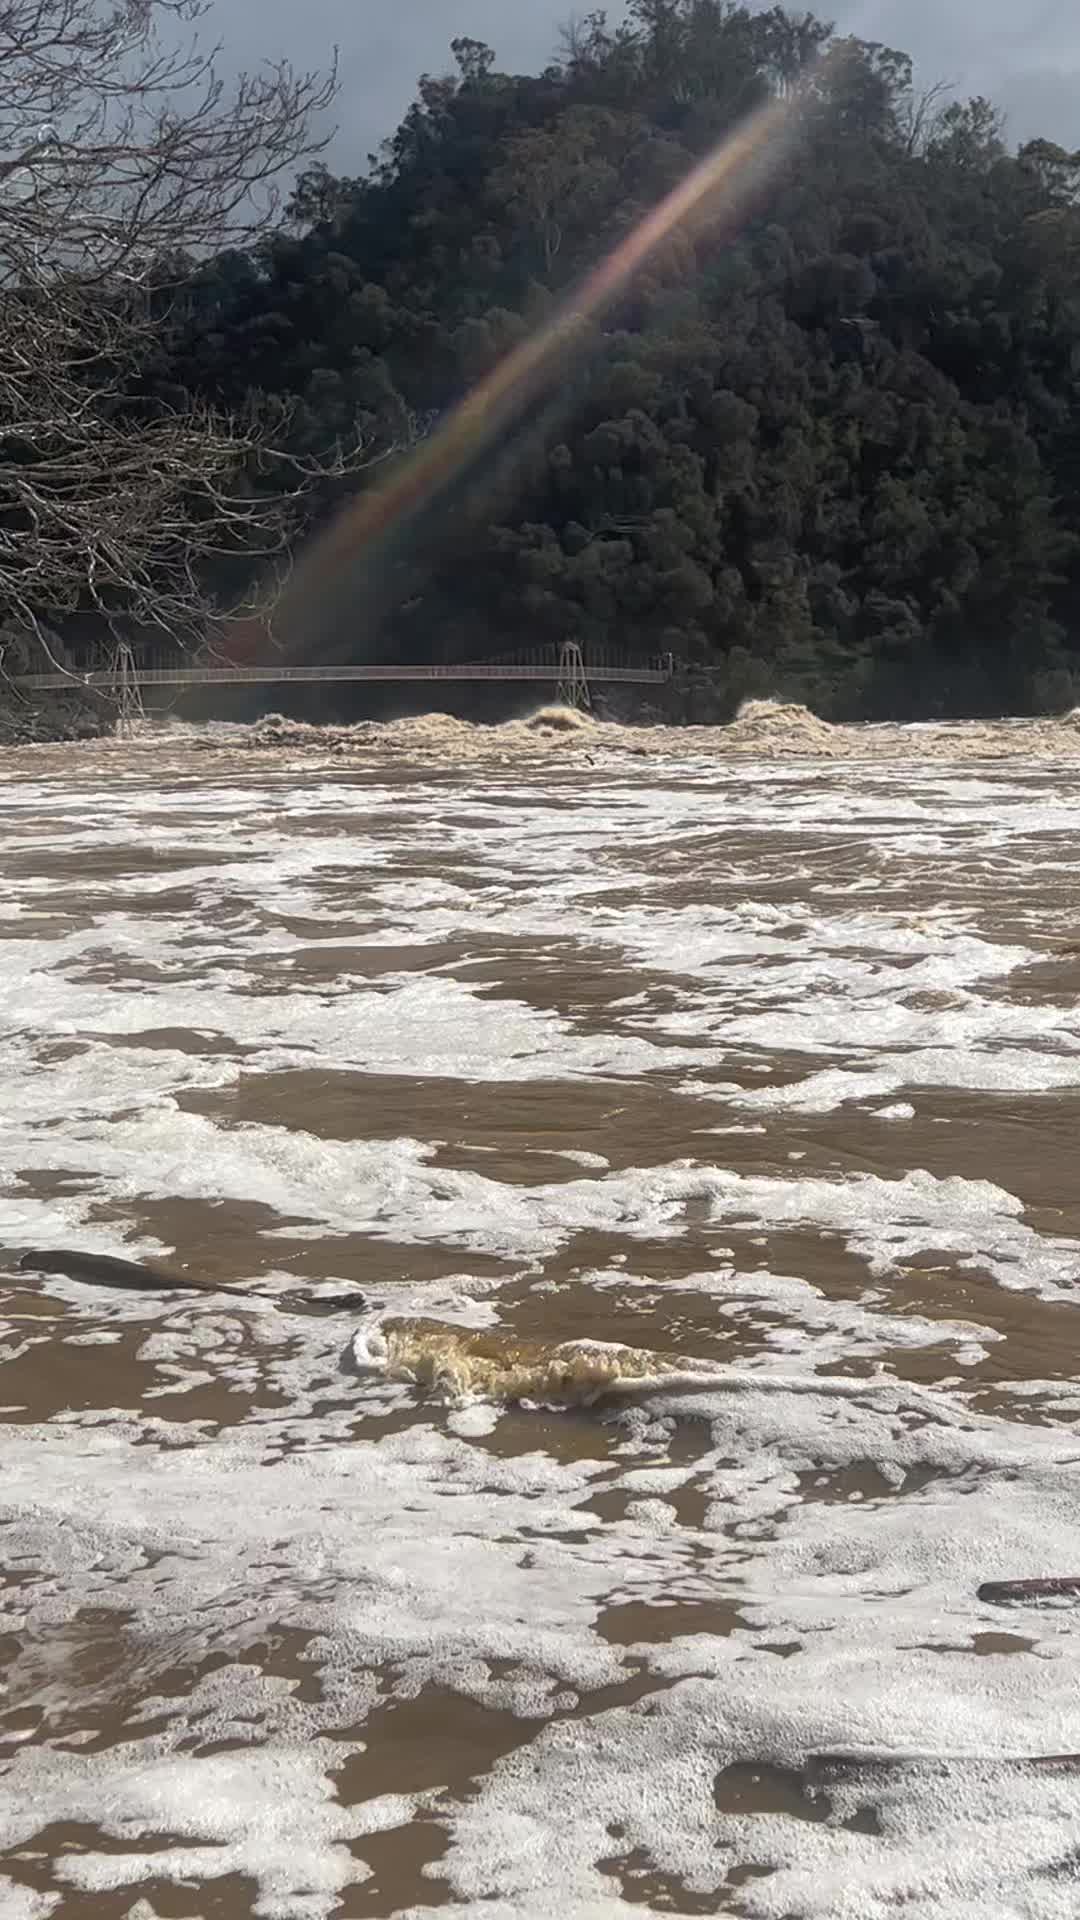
465,1363
425,736
773,728
560,720
780,723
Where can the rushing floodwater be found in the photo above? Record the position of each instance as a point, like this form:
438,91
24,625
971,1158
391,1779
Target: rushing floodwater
772,1069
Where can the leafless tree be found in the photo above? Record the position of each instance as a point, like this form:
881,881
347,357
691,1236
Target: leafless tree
121,148
923,115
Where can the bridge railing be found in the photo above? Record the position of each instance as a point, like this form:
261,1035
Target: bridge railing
158,657
301,676
161,666
595,658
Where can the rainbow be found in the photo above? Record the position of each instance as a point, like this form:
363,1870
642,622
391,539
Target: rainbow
716,190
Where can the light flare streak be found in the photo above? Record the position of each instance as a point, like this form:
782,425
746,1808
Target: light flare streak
716,189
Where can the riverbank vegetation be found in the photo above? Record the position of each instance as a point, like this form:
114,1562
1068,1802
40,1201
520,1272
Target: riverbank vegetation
832,455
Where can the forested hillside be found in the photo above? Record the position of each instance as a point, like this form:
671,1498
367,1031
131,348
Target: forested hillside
834,454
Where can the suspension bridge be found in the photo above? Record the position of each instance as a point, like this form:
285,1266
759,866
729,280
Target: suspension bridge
569,668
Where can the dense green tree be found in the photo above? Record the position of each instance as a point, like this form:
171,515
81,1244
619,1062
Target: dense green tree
834,454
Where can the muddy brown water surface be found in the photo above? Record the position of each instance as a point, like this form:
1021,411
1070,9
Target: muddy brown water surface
773,1066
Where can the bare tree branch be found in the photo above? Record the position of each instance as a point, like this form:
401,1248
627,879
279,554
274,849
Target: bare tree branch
923,114
120,143
124,157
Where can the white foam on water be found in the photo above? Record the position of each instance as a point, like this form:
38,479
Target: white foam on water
387,1188
399,1024
412,1552
99,1080
636,1785
823,1331
1011,1070
272,1817
855,1593
19,1903
542,1903
472,1422
420,1554
403,1525
820,958
868,926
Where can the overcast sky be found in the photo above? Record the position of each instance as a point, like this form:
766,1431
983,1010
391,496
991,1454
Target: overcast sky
1024,53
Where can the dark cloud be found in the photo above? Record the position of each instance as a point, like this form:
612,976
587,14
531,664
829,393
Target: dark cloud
1024,53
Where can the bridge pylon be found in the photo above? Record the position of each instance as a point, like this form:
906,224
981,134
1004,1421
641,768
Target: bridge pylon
126,691
573,685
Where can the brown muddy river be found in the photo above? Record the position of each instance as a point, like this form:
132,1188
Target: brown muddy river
767,1070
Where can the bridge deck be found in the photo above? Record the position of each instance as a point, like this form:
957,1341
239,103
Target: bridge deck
271,675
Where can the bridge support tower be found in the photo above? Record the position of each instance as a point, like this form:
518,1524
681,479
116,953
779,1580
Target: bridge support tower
573,686
126,691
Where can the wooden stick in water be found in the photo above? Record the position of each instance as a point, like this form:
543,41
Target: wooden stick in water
105,1270
1002,1592
833,1765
